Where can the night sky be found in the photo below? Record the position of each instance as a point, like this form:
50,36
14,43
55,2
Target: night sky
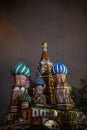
25,24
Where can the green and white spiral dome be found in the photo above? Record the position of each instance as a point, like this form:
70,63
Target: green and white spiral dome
21,69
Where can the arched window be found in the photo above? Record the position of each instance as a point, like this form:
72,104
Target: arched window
42,113
35,113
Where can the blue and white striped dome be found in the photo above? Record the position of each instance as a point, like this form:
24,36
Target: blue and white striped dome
39,81
58,68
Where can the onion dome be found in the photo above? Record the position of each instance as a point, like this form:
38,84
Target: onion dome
21,69
25,97
39,81
58,68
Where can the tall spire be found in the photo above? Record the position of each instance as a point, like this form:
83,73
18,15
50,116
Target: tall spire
44,53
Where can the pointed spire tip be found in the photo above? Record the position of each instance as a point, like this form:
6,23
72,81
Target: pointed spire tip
44,44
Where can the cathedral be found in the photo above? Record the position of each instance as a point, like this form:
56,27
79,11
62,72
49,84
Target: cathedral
46,100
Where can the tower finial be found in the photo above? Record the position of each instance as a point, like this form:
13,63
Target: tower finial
44,44
57,56
21,55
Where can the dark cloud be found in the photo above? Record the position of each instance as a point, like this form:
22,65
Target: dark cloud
25,25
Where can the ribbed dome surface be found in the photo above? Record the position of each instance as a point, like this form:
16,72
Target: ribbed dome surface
39,81
58,68
21,68
25,98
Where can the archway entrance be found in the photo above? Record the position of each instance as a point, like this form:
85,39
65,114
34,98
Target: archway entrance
52,124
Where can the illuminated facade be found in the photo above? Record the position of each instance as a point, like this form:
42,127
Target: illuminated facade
47,102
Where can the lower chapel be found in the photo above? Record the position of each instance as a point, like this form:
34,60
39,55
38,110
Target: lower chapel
45,101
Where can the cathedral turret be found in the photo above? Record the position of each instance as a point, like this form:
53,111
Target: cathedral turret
39,97
44,70
62,95
20,73
59,72
25,100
